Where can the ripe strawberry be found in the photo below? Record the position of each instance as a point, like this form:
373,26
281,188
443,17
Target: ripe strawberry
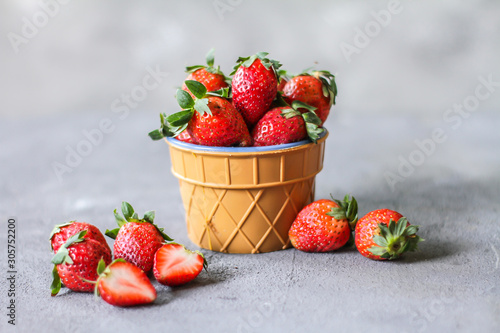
317,89
124,284
212,78
254,84
285,124
175,265
75,263
324,225
136,240
210,120
62,232
185,137
385,234
283,79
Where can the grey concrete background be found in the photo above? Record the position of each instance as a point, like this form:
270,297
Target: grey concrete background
417,77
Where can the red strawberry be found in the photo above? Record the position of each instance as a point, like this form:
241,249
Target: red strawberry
185,137
75,263
62,232
254,86
212,78
317,89
286,124
175,265
136,240
324,225
282,80
210,120
124,284
385,234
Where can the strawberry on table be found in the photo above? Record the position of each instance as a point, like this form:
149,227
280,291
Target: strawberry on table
123,284
175,265
136,240
75,263
211,77
285,124
210,119
385,234
62,232
254,86
317,89
324,225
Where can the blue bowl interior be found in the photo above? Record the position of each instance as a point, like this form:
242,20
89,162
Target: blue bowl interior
191,146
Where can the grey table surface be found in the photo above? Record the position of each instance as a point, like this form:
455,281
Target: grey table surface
450,187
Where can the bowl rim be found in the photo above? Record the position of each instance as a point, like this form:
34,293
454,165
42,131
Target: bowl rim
248,150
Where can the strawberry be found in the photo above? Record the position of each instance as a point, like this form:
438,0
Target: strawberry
75,263
317,89
136,240
212,78
210,120
254,84
385,234
286,124
283,79
123,284
185,137
175,265
62,232
324,225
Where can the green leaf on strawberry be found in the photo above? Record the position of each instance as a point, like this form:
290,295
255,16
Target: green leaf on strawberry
395,239
196,88
312,121
129,215
248,61
348,209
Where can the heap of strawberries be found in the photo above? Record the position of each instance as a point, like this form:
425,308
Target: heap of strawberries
327,225
259,106
83,261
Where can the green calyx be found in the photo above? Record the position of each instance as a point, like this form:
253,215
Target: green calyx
395,239
347,209
174,124
57,229
129,215
209,58
262,56
62,257
312,121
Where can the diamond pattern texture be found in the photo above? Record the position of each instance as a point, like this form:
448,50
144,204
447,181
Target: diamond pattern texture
245,202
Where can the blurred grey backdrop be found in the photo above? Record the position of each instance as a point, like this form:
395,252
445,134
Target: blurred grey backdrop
412,58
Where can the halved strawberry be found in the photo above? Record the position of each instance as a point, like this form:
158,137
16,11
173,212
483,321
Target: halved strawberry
123,284
175,265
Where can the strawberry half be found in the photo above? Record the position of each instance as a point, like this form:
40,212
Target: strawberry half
136,240
123,284
210,119
384,234
175,265
254,86
211,77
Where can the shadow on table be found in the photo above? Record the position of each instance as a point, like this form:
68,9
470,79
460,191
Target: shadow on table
431,250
